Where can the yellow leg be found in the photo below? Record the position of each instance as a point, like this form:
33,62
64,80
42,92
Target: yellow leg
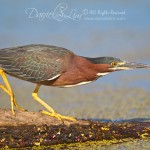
9,91
51,111
14,100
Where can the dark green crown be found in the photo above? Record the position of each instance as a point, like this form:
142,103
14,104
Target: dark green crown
103,60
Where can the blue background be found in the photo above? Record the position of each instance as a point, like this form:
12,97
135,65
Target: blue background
128,39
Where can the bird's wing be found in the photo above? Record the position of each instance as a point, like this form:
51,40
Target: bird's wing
33,63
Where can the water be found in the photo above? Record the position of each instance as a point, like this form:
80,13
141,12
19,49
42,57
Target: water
77,26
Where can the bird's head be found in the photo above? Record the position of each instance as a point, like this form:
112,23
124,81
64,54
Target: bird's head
115,64
111,64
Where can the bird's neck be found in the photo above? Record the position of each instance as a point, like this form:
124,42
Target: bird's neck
99,67
91,67
79,71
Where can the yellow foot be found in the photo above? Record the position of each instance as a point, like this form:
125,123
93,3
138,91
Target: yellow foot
17,106
14,103
58,116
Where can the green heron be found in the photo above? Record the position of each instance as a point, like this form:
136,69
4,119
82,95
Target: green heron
54,66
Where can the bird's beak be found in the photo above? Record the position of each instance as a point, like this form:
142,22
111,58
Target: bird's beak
131,65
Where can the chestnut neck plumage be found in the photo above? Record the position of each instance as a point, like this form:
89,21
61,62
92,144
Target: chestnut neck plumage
79,71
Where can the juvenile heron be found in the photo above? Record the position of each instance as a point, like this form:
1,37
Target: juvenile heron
54,66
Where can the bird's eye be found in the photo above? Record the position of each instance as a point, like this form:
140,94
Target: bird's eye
113,64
